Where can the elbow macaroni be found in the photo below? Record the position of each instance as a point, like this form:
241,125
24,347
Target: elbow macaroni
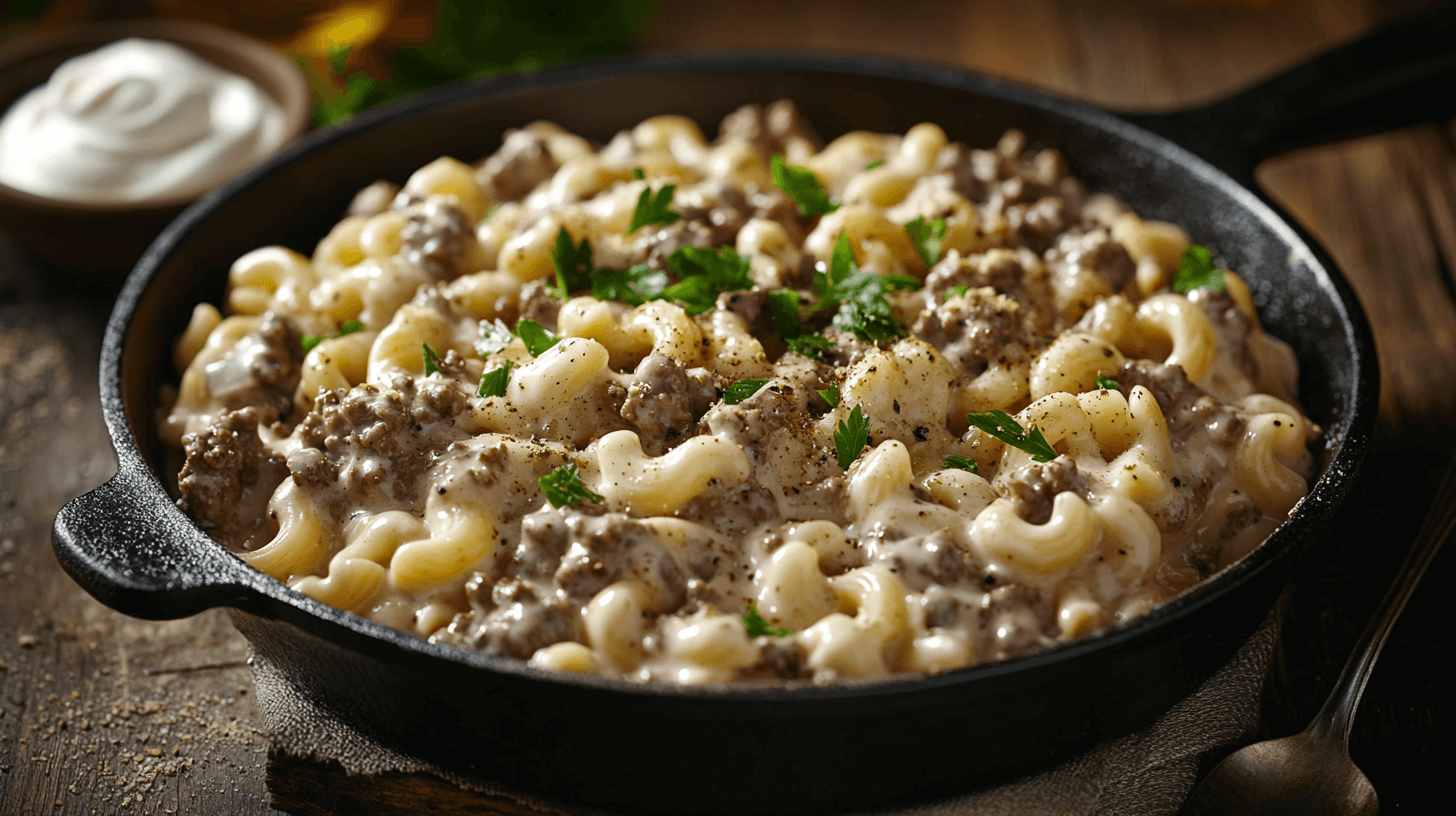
709,540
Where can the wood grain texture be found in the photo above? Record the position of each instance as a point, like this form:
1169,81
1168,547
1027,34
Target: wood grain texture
101,714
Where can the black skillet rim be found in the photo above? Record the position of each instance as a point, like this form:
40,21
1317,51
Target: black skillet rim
273,599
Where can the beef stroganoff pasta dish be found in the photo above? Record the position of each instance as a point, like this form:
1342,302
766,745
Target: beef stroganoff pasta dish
753,408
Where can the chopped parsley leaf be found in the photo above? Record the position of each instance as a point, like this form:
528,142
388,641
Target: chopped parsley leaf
741,390
638,174
864,305
960,463
1107,384
563,486
959,290
494,337
756,626
812,346
830,394
1196,271
928,237
703,274
493,383
653,208
433,363
1004,427
850,437
802,186
536,338
573,264
872,165
634,285
783,308
309,341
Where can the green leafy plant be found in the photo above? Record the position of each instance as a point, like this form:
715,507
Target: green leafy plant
928,237
563,487
757,626
802,186
311,341
652,208
636,284
703,274
433,362
573,264
493,383
850,437
1004,427
862,297
783,308
741,390
1196,271
960,463
535,336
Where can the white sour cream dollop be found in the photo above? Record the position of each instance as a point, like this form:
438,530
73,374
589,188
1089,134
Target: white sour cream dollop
135,121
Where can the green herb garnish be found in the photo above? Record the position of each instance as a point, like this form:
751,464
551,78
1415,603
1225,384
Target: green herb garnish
741,390
1107,384
830,394
812,346
433,363
783,308
638,174
959,290
493,383
536,338
960,463
756,626
494,337
634,285
850,437
310,341
653,209
864,305
803,186
703,274
573,264
1001,425
872,165
1196,271
928,237
563,486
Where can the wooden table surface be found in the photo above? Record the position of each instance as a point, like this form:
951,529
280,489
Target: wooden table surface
103,714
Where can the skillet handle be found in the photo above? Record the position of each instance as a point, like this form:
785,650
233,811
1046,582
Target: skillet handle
1401,74
127,545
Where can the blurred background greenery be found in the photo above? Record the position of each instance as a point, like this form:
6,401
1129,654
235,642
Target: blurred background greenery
361,53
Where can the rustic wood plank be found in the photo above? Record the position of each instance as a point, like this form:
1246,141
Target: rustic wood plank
1381,206
99,713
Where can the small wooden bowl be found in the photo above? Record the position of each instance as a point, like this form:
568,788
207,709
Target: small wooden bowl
109,238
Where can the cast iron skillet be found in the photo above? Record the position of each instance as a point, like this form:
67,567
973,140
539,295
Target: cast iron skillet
781,749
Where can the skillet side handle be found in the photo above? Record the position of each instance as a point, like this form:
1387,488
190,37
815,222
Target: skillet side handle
127,545
1401,74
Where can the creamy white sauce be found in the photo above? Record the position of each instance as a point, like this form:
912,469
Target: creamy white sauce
136,120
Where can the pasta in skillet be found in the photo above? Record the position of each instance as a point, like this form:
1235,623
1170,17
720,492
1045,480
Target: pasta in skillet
697,411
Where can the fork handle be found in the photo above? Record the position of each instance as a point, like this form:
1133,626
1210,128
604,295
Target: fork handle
1334,719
